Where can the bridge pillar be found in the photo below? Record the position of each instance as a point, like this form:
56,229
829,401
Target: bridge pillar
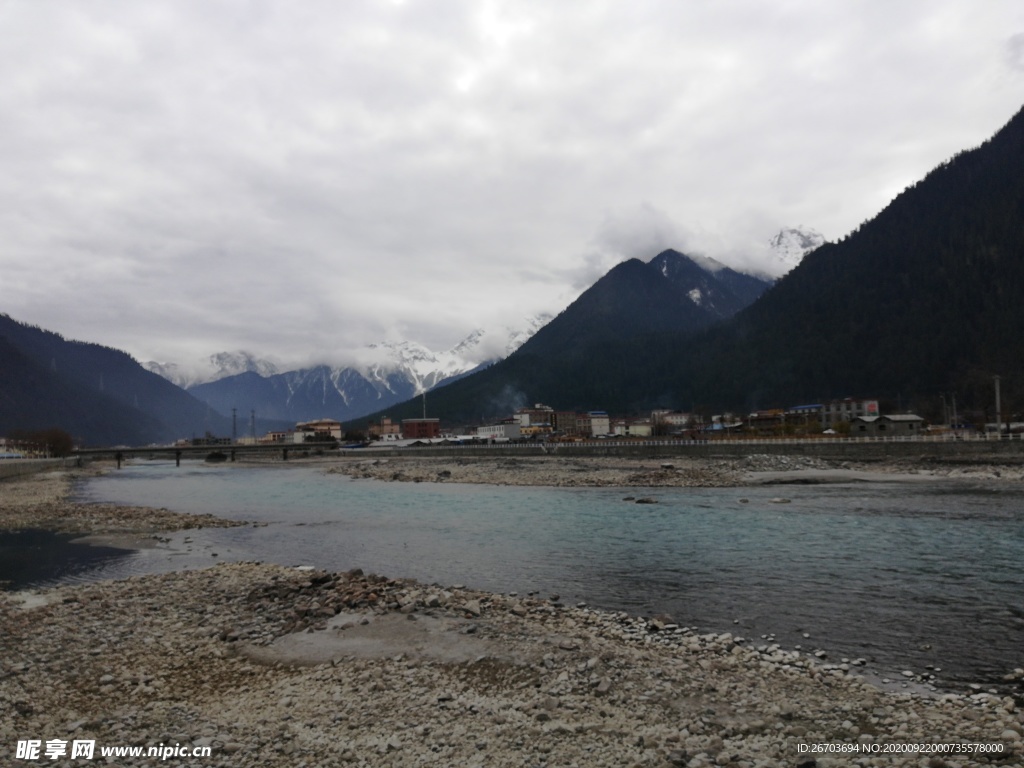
177,458
232,454
118,456
284,451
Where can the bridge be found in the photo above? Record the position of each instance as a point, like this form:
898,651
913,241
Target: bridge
1009,447
227,452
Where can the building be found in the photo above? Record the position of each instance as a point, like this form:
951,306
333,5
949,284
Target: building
670,422
767,422
538,416
421,429
565,423
593,423
506,430
386,430
321,429
899,425
632,428
847,409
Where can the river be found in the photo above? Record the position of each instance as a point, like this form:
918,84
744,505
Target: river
913,576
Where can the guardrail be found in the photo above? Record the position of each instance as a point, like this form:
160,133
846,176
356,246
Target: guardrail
855,448
612,441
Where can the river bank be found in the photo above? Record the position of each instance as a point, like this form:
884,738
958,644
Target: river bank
271,666
675,472
42,501
281,666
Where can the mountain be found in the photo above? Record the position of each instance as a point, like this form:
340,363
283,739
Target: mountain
98,394
671,293
34,397
394,372
921,301
592,354
217,366
789,247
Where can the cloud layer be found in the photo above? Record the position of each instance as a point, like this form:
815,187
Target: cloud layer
300,179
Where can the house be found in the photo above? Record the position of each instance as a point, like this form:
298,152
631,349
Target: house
420,429
506,430
386,430
565,423
539,416
593,423
767,422
321,429
632,428
670,422
847,409
898,425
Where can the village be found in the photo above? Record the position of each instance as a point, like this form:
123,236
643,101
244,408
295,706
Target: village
847,418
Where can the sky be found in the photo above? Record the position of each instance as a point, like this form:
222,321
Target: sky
301,179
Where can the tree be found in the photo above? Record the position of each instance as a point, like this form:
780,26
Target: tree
52,442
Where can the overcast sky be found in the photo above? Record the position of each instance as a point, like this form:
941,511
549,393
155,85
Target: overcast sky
298,179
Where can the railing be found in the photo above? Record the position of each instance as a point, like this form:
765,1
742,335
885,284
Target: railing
554,447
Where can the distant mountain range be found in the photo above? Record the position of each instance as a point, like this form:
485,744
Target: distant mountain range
392,373
671,292
922,302
102,395
97,394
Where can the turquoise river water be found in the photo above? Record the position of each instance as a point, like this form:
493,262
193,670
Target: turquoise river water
906,575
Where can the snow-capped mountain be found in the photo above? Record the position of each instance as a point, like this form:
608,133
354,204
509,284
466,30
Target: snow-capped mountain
789,246
391,372
217,366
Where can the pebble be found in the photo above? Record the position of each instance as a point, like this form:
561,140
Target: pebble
155,659
569,687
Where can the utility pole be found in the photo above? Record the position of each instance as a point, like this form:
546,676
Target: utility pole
999,411
234,425
252,424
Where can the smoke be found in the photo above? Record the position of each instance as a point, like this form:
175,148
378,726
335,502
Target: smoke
507,401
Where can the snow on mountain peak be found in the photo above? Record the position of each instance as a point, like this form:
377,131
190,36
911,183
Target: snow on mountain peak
426,369
789,246
215,367
233,363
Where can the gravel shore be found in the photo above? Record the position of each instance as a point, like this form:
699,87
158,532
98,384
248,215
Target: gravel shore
274,666
42,501
677,472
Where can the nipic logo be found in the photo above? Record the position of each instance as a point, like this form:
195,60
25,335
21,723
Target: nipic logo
85,749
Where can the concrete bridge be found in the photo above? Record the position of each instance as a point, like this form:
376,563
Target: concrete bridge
209,452
968,449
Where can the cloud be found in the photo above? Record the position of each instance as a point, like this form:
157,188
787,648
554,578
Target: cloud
1015,51
304,179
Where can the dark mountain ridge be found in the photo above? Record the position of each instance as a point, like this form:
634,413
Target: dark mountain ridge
98,394
670,293
922,300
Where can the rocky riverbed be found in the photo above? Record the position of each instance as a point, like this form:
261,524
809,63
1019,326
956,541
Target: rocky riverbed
275,666
678,472
271,666
41,501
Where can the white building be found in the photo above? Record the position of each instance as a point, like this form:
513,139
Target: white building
505,431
